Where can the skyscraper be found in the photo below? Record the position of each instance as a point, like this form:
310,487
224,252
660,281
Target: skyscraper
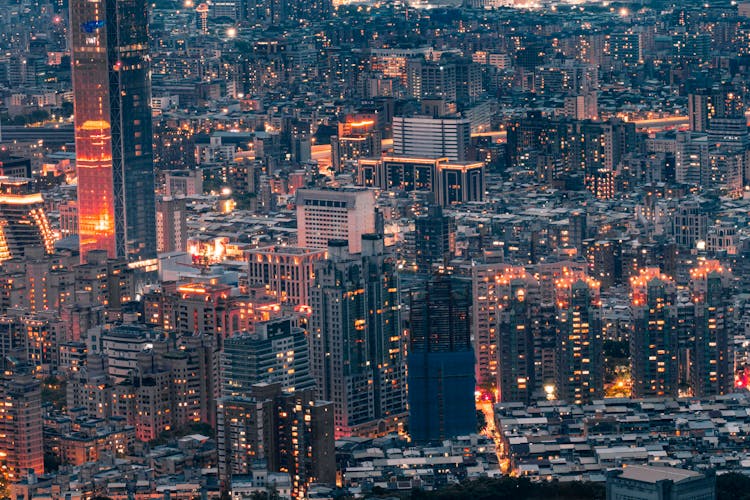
519,308
653,341
434,239
112,93
711,364
356,346
580,360
441,360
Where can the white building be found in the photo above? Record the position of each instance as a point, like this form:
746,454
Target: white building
334,214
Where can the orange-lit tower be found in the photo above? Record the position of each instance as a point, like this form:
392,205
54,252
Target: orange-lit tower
113,129
653,341
93,131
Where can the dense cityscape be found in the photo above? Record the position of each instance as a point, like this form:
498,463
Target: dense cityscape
277,249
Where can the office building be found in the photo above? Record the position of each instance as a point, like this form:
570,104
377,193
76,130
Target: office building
112,96
450,183
122,346
460,183
359,136
334,214
441,360
285,272
357,350
653,341
24,220
426,137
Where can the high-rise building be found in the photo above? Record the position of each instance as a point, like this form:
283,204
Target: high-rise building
334,214
23,220
171,224
450,182
112,98
427,137
714,102
431,79
14,166
626,47
460,183
285,272
582,106
434,239
690,222
441,360
691,157
580,360
110,281
21,425
276,353
653,341
519,307
711,370
359,136
357,350
484,317
201,18
289,432
701,108
183,182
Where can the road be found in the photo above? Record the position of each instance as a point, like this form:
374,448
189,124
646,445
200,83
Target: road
491,431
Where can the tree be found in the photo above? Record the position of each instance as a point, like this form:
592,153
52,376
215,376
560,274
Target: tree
732,486
481,422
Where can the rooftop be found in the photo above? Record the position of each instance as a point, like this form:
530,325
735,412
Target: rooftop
648,474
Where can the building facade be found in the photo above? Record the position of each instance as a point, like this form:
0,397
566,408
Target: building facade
113,129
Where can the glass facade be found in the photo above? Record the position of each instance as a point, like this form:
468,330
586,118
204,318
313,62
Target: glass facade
112,94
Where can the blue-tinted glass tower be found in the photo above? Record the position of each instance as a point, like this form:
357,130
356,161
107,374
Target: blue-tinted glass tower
441,360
